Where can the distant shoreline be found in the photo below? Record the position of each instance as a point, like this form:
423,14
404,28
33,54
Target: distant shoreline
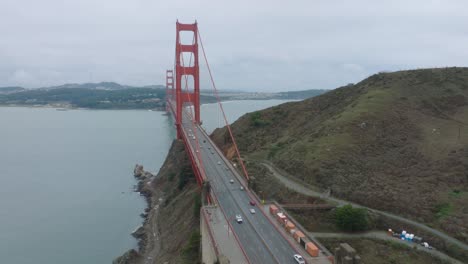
162,109
78,108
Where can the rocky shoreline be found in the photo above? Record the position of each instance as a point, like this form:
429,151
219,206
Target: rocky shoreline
144,179
169,219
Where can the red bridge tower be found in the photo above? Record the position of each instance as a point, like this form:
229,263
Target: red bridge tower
185,71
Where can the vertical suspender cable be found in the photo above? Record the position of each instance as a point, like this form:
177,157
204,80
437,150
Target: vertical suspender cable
222,110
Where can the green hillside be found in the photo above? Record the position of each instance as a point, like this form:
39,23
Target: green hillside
394,141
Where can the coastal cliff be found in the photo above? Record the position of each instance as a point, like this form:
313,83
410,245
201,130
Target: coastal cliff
171,222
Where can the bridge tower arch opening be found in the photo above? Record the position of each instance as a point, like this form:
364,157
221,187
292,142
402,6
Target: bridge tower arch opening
181,70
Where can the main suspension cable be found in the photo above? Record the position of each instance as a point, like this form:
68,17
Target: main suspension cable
221,107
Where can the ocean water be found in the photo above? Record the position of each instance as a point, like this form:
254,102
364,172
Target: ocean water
66,178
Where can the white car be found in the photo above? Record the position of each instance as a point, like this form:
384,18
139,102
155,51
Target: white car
299,259
252,211
239,218
231,181
219,162
242,188
196,150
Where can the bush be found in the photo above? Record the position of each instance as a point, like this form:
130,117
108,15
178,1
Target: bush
185,176
257,120
351,219
191,252
197,205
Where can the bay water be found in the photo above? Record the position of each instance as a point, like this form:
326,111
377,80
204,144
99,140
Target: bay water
66,178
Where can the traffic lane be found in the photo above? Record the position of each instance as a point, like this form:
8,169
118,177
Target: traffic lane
282,249
269,234
226,176
256,250
276,243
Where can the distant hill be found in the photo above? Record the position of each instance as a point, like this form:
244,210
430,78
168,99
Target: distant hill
126,98
111,86
394,141
111,95
291,95
299,95
13,89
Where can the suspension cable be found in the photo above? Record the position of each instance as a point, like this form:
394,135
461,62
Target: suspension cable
197,145
222,110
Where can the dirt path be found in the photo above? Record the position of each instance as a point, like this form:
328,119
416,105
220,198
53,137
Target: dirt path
288,181
384,236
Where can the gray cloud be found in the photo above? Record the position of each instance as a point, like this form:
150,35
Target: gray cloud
251,45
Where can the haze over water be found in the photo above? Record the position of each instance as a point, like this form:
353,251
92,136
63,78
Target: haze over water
66,178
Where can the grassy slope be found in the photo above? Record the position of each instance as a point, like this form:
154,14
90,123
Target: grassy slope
395,141
383,252
176,220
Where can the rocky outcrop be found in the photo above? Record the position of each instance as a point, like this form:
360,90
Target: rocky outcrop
128,257
169,218
140,173
139,232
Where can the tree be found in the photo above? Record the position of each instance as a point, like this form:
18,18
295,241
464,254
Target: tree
351,219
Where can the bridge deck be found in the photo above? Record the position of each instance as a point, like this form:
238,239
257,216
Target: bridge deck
259,238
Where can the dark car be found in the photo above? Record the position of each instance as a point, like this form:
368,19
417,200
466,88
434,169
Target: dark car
252,203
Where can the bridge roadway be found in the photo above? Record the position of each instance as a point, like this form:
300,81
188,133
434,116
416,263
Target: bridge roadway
261,241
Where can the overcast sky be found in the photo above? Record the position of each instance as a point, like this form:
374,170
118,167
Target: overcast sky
251,44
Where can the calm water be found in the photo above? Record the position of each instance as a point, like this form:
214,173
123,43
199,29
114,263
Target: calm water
66,178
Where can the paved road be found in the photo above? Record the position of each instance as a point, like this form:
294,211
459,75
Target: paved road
301,188
259,238
384,236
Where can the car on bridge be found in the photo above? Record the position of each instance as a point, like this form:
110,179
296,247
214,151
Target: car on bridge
252,211
252,202
231,181
239,219
299,259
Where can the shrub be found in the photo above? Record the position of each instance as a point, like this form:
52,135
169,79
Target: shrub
191,252
443,210
197,205
351,219
257,120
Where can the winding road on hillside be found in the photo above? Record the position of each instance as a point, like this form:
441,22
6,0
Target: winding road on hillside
288,181
379,235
